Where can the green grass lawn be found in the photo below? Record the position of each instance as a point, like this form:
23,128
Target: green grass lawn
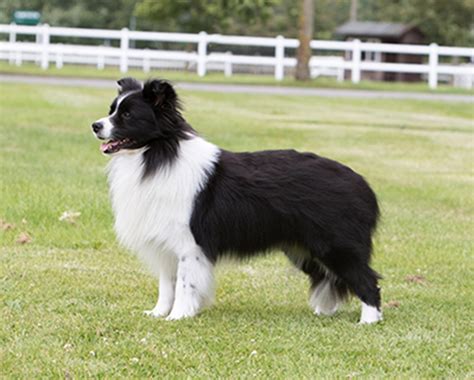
218,77
71,299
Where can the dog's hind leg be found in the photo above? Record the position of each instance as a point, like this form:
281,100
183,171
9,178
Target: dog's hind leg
326,292
167,265
326,296
353,270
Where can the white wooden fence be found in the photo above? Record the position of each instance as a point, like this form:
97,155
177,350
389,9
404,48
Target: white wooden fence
44,52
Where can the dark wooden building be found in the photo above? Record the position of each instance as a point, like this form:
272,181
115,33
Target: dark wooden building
384,32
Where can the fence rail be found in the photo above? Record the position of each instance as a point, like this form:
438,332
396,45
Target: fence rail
350,53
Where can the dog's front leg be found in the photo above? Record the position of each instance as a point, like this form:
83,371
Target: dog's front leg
194,285
167,268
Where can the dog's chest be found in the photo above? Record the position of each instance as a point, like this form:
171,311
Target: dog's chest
156,210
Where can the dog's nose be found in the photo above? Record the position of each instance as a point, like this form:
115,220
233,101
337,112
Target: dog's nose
96,127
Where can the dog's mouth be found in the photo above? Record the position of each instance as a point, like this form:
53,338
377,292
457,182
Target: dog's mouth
113,146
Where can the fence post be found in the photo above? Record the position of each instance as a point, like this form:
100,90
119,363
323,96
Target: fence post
228,64
59,58
12,40
356,56
202,54
12,36
101,59
146,61
433,66
124,42
279,58
340,74
45,46
18,58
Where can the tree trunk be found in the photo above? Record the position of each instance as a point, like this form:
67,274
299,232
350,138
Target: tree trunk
305,34
354,6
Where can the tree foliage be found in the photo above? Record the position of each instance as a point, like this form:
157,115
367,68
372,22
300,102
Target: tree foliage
218,16
109,14
257,17
442,21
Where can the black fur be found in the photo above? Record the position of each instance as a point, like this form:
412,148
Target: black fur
319,211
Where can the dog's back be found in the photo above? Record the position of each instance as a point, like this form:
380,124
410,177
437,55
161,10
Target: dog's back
254,202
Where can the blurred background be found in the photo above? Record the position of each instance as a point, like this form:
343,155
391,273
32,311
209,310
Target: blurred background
441,21
424,41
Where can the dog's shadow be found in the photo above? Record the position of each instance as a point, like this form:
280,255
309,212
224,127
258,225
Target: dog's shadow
241,312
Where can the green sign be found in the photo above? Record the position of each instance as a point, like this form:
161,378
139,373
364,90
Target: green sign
26,17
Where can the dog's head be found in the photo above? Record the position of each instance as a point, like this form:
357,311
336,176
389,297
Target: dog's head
139,116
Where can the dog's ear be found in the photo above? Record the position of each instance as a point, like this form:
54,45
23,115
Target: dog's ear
160,93
128,84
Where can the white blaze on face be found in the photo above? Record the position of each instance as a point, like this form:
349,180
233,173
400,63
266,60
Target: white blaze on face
106,131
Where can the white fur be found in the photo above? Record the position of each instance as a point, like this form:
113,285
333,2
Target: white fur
152,218
194,286
167,266
370,314
324,299
106,131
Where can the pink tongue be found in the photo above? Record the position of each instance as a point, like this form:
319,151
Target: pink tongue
109,145
104,147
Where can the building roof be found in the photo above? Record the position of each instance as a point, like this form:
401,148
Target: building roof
374,29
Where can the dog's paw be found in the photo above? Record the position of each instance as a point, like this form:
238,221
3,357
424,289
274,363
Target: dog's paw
326,311
370,315
157,312
180,313
177,316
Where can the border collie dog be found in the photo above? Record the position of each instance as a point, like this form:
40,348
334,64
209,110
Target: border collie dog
181,203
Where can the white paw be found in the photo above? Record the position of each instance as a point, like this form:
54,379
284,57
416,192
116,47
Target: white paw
157,312
370,314
183,311
324,299
175,316
328,311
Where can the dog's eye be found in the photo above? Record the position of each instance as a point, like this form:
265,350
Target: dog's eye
126,115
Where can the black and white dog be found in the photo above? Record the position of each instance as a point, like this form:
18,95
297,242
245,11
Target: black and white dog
181,203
